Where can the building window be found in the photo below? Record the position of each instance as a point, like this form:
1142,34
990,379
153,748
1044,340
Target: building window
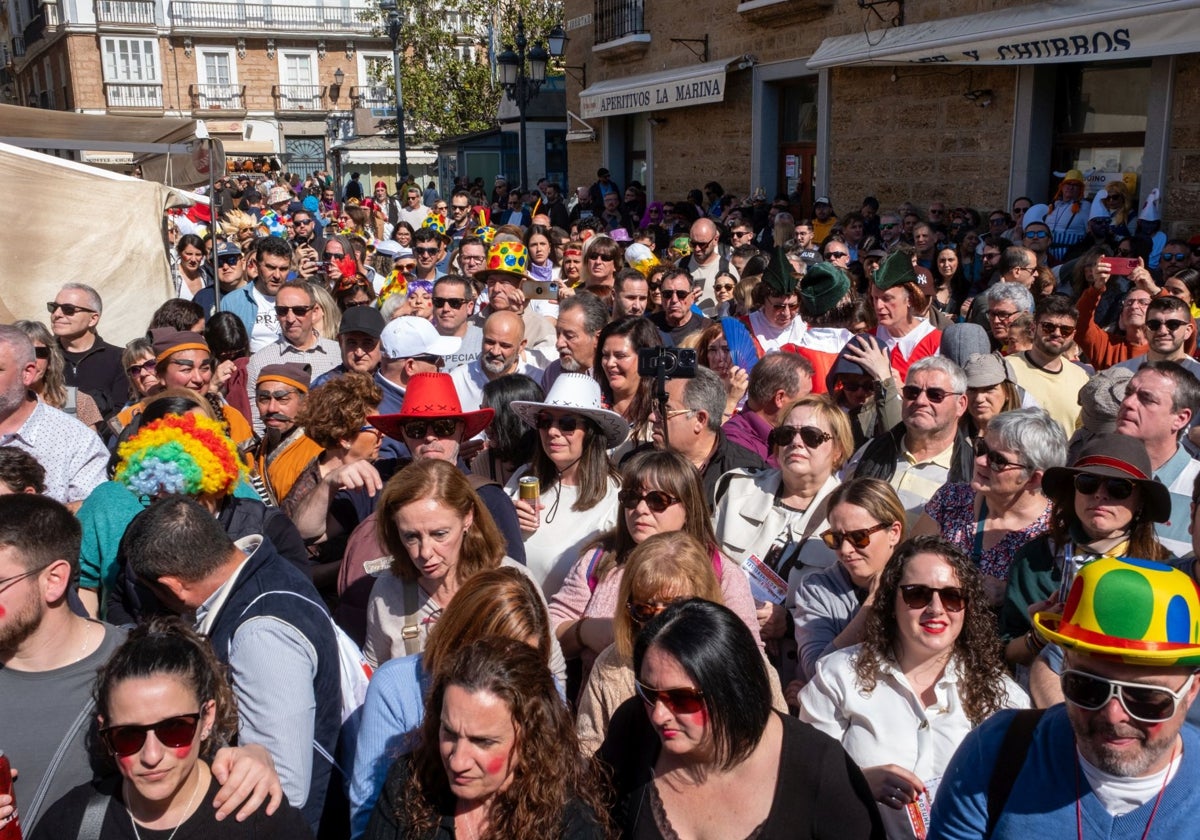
130,60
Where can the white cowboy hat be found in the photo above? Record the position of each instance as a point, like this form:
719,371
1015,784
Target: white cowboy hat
577,393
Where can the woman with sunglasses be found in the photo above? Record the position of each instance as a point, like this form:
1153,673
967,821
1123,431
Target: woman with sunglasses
661,493
140,367
602,259
1003,507
50,383
769,520
700,752
1105,504
498,603
163,708
866,523
576,484
664,568
928,671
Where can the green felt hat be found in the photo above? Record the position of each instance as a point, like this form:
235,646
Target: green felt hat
823,287
779,277
896,270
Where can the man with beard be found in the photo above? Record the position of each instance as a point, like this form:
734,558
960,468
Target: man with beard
503,347
1169,326
577,330
1128,685
1041,370
48,662
73,456
284,450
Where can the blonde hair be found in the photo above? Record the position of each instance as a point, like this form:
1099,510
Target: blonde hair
834,417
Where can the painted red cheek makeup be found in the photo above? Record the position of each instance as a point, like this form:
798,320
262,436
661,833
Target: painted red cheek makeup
496,764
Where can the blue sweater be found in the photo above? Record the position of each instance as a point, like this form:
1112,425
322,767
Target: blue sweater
1042,802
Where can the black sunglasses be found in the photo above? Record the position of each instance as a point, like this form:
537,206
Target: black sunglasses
41,352
174,732
298,311
1144,702
1117,489
1154,324
918,596
656,500
453,303
935,395
566,424
860,538
426,251
69,309
678,294
810,436
442,427
228,260
995,460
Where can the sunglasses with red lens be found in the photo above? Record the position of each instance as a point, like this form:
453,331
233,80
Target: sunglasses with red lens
656,500
917,596
679,701
174,732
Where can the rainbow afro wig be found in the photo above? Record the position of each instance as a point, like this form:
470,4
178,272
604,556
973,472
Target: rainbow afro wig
185,454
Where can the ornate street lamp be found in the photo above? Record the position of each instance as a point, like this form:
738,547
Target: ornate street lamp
522,80
393,31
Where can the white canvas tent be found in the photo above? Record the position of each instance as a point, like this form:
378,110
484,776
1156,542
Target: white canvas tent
66,221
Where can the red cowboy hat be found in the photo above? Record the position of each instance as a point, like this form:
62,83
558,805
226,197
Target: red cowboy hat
431,396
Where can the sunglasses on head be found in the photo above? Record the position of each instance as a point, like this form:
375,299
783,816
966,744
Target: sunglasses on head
298,311
174,732
442,427
859,538
1144,702
1154,324
995,460
656,500
935,395
679,701
1117,489
918,596
567,424
68,309
810,436
643,611
453,303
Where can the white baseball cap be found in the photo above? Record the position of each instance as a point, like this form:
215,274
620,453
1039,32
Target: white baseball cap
409,336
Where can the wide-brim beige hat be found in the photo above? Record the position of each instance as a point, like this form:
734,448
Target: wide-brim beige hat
577,393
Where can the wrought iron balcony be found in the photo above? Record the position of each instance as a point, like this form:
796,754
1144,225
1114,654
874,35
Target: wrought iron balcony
615,19
299,97
378,98
218,97
140,96
267,17
125,12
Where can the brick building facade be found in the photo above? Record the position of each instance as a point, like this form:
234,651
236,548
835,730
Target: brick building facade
968,101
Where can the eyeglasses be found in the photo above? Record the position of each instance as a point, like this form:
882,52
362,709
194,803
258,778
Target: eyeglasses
679,701
997,222
333,255
1131,302
1036,234
935,395
1048,328
302,221
40,351
69,309
1173,257
810,436
298,311
601,257
642,612
428,252
368,429
5,583
678,294
228,261
174,732
859,538
453,303
278,396
1001,315
995,460
918,596
1117,489
850,385
700,246
567,423
429,359
442,427
460,206
836,255
145,368
723,287
1141,701
1019,210
1154,324
888,225
656,500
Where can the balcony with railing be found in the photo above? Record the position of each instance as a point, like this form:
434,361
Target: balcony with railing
299,97
209,98
378,99
142,97
124,13
202,15
620,29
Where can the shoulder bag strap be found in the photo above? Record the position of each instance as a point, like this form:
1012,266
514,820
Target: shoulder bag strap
1009,761
93,817
39,796
411,634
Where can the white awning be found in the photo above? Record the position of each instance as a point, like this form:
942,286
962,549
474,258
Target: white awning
1040,33
677,88
389,158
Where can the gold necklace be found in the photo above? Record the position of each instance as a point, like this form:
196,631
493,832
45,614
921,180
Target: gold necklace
186,812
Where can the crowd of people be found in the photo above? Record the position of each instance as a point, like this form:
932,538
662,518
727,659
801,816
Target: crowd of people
500,516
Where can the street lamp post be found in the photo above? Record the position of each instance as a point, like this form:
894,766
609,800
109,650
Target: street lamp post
521,85
393,30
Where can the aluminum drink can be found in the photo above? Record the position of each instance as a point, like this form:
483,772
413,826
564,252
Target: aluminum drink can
529,488
10,828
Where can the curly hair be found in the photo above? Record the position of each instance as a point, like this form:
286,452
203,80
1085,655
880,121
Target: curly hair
165,646
337,410
548,768
978,651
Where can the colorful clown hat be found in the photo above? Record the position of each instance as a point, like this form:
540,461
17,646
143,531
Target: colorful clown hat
435,222
1136,611
485,232
640,258
509,258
